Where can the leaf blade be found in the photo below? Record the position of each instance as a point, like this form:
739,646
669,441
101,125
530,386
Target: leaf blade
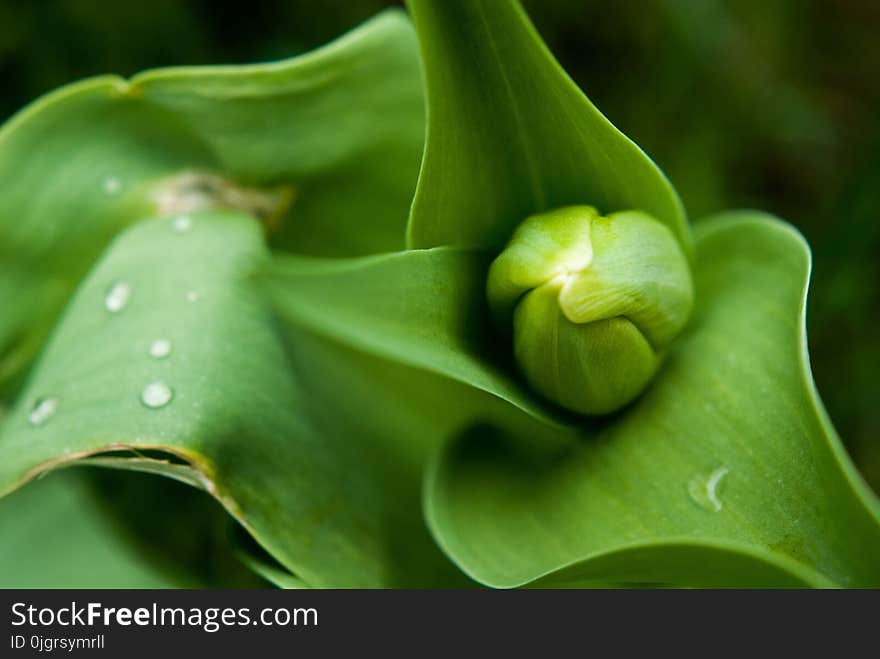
253,415
342,126
509,134
736,394
423,308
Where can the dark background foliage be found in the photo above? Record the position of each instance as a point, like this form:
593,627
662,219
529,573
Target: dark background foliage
744,103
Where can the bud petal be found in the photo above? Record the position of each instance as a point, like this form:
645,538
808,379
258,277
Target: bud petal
593,302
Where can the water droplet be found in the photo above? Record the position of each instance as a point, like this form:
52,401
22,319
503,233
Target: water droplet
705,490
156,395
182,223
112,185
117,297
192,296
160,348
42,410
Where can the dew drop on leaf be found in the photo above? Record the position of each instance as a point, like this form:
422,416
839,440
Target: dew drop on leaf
192,296
160,348
182,223
117,297
705,490
111,185
42,410
156,395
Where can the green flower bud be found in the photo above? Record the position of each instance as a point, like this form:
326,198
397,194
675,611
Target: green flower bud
594,302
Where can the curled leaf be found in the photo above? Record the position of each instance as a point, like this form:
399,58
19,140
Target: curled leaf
510,134
729,446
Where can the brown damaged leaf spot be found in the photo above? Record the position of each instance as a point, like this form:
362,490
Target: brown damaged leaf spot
196,191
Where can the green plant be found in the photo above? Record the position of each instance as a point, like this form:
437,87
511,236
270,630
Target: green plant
215,275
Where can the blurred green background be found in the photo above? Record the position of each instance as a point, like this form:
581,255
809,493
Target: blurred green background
744,103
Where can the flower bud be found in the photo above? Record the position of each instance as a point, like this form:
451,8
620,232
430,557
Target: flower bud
593,302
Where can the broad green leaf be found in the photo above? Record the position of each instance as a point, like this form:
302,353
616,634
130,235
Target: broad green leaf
337,133
60,512
68,164
344,126
314,456
510,134
423,308
728,458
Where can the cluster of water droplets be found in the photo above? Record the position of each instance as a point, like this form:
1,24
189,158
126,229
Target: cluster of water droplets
156,394
703,489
